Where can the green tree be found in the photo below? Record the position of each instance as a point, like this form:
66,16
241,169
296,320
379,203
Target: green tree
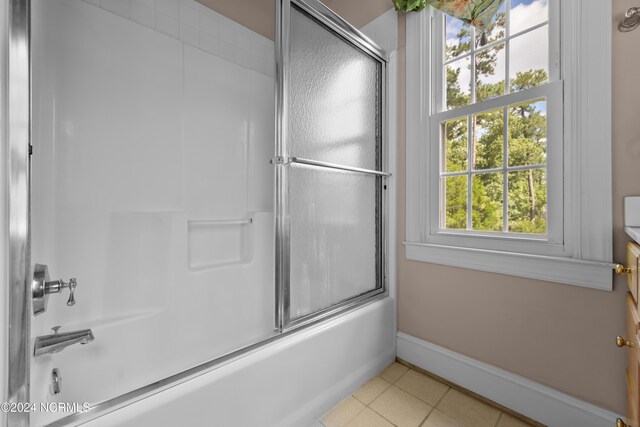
526,192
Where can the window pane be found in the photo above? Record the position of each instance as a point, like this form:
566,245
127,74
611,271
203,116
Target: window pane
528,133
458,83
527,13
487,202
528,201
490,72
454,191
488,139
457,36
495,30
529,59
455,145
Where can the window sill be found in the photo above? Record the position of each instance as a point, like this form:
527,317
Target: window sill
569,271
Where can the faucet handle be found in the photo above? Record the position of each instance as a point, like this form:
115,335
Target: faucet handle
55,329
72,287
42,287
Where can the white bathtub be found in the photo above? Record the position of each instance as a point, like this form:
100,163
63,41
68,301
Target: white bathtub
291,382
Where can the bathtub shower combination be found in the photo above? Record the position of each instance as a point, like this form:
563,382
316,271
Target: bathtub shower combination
213,245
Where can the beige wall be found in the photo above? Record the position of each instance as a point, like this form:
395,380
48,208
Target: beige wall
558,335
259,15
359,12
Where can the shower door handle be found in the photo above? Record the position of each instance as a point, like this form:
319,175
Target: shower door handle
41,287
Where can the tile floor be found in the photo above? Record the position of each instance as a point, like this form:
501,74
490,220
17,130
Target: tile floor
402,397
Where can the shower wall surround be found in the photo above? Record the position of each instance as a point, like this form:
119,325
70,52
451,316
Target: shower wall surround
198,26
153,128
151,160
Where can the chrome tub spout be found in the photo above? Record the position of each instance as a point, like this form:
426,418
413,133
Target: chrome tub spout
57,342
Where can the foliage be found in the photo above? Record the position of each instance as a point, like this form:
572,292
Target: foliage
527,138
409,5
472,12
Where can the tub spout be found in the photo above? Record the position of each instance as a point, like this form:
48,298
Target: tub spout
57,342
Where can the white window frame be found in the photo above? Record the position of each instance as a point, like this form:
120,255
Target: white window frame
553,241
578,247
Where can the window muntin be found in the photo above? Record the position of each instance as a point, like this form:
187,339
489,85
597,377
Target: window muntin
494,170
577,169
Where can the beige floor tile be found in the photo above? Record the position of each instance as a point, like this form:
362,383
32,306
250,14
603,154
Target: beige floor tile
507,420
468,410
400,407
393,372
368,418
346,411
421,386
368,392
438,419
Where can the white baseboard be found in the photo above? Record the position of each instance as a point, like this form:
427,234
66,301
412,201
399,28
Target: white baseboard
529,398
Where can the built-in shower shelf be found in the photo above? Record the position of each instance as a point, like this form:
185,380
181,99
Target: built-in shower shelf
219,222
218,242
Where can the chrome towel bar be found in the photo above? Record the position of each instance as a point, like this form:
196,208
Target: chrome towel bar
299,160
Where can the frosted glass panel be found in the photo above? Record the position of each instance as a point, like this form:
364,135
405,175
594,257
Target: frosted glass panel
333,237
334,104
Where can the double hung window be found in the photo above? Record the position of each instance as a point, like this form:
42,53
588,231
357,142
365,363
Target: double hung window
509,141
496,126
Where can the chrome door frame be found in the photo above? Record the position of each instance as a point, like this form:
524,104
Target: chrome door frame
332,21
18,138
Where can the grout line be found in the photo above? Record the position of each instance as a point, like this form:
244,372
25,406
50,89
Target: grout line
499,418
440,401
382,416
385,389
442,397
359,412
427,416
417,397
454,386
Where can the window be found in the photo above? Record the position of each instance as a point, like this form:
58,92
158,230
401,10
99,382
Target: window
497,150
499,142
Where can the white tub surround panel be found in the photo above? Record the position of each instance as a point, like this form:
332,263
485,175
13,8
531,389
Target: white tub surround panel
151,164
198,26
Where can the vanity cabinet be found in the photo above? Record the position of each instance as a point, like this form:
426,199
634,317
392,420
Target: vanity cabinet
633,254
631,342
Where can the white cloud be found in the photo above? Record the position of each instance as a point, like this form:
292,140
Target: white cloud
530,51
526,16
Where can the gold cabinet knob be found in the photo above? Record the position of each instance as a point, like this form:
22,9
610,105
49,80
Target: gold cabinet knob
621,269
620,423
621,342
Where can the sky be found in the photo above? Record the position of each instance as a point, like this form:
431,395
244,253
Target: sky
524,14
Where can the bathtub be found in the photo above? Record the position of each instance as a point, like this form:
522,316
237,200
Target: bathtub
290,382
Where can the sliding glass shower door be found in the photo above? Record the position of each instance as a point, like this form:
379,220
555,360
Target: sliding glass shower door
331,179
